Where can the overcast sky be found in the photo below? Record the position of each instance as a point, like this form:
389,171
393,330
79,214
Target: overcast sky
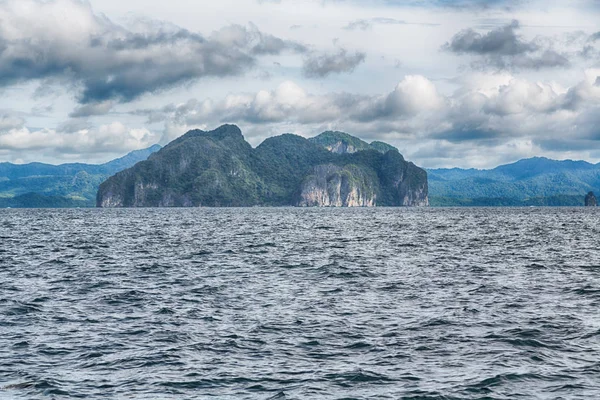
465,83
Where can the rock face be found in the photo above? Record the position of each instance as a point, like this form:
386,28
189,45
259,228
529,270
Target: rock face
333,186
590,200
220,169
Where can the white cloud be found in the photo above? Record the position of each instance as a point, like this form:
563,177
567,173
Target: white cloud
511,113
415,94
110,138
433,105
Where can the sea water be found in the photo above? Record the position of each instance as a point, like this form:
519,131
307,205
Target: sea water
288,303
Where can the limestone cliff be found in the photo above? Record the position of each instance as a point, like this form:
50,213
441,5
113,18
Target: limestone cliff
333,186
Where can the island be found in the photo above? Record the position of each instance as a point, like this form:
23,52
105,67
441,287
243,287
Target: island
590,200
220,168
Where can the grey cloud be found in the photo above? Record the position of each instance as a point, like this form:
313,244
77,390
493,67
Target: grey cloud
110,62
42,110
366,24
290,103
500,41
461,5
139,41
470,4
269,44
264,75
515,118
580,96
320,65
588,52
503,48
91,109
560,144
589,123
467,132
594,37
161,114
363,24
8,122
518,111
74,125
584,138
546,59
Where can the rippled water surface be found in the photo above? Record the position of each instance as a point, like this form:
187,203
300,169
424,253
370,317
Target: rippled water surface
300,304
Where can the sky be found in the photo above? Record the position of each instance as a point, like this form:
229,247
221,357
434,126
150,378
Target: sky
465,83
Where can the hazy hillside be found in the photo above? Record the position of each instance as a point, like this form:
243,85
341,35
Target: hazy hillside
534,181
66,185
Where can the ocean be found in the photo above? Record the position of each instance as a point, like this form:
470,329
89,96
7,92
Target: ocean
288,303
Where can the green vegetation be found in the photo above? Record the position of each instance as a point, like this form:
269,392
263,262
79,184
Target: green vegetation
67,185
340,142
35,200
535,181
220,168
382,147
551,201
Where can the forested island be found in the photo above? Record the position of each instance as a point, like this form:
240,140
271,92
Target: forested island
220,169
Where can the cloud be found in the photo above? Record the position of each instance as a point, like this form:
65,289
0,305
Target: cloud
65,39
362,24
110,138
92,109
463,5
584,93
290,103
366,24
10,122
488,112
471,4
503,48
320,65
502,41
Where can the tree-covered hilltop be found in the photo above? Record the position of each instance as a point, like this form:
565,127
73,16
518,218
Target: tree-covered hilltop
219,168
534,181
66,185
340,142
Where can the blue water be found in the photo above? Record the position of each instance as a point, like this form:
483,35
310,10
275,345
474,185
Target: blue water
300,304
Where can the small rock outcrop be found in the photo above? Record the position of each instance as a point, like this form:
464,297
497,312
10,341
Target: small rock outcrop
590,200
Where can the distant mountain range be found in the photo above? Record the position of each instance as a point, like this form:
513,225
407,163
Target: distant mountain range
531,182
66,185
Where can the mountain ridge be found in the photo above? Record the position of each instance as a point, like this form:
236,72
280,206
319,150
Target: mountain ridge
526,182
343,143
532,181
63,185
